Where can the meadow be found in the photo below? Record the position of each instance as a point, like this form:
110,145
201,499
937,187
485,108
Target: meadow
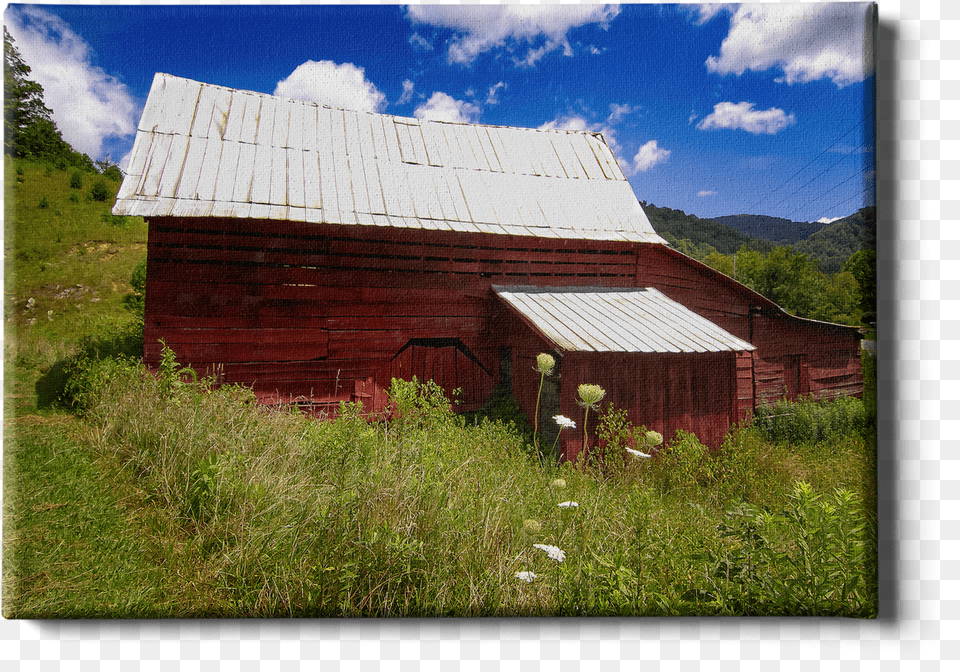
130,493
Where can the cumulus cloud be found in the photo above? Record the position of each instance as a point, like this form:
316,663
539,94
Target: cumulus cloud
444,107
828,220
343,86
742,116
569,122
538,29
705,13
618,112
420,42
494,91
706,193
407,94
806,42
648,156
89,105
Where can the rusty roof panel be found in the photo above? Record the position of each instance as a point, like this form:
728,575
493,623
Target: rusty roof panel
595,319
226,151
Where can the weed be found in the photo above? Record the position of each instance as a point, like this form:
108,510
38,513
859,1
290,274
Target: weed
76,179
43,203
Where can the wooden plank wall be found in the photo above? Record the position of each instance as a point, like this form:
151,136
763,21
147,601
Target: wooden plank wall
661,391
300,310
793,356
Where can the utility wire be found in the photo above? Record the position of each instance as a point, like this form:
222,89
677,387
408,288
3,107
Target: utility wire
755,207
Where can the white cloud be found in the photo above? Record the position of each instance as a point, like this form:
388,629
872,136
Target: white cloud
648,156
693,115
444,107
343,86
828,220
494,92
570,122
482,28
706,193
806,41
419,42
704,13
618,112
407,94
742,116
88,104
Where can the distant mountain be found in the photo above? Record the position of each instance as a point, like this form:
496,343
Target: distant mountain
833,244
775,229
704,235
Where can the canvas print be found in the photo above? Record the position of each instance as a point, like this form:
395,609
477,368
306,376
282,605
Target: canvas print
439,311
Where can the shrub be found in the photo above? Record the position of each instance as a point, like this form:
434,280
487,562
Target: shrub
815,558
76,179
44,203
810,421
74,197
100,191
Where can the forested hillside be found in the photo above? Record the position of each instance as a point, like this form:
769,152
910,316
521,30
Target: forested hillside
776,229
819,277
698,237
832,245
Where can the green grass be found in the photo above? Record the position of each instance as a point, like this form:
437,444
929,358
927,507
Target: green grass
171,498
66,272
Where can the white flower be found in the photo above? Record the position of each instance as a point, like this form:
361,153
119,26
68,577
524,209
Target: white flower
564,422
637,453
558,483
526,576
552,551
568,505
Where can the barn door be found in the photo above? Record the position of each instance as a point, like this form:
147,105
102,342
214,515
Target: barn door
448,363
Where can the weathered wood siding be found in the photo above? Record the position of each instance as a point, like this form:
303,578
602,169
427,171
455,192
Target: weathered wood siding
329,313
302,310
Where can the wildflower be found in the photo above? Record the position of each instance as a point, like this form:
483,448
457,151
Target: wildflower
567,505
531,526
545,363
637,453
564,422
654,438
558,483
552,551
526,576
590,395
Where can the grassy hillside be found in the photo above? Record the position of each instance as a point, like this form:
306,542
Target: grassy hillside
67,266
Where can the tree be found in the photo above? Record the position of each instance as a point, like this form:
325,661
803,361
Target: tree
863,266
29,129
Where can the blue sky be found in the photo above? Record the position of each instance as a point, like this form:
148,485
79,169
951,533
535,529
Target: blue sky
712,109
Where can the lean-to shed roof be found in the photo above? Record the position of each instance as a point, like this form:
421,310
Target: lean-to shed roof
204,150
606,319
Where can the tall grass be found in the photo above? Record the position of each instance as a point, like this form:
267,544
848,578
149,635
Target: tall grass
420,513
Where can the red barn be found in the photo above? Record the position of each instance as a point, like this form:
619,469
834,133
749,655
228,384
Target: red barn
315,253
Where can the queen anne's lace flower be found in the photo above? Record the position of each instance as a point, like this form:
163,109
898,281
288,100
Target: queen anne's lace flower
552,551
558,483
637,453
526,576
564,422
568,505
545,363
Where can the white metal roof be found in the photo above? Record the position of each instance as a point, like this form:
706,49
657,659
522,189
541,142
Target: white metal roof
205,150
595,319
